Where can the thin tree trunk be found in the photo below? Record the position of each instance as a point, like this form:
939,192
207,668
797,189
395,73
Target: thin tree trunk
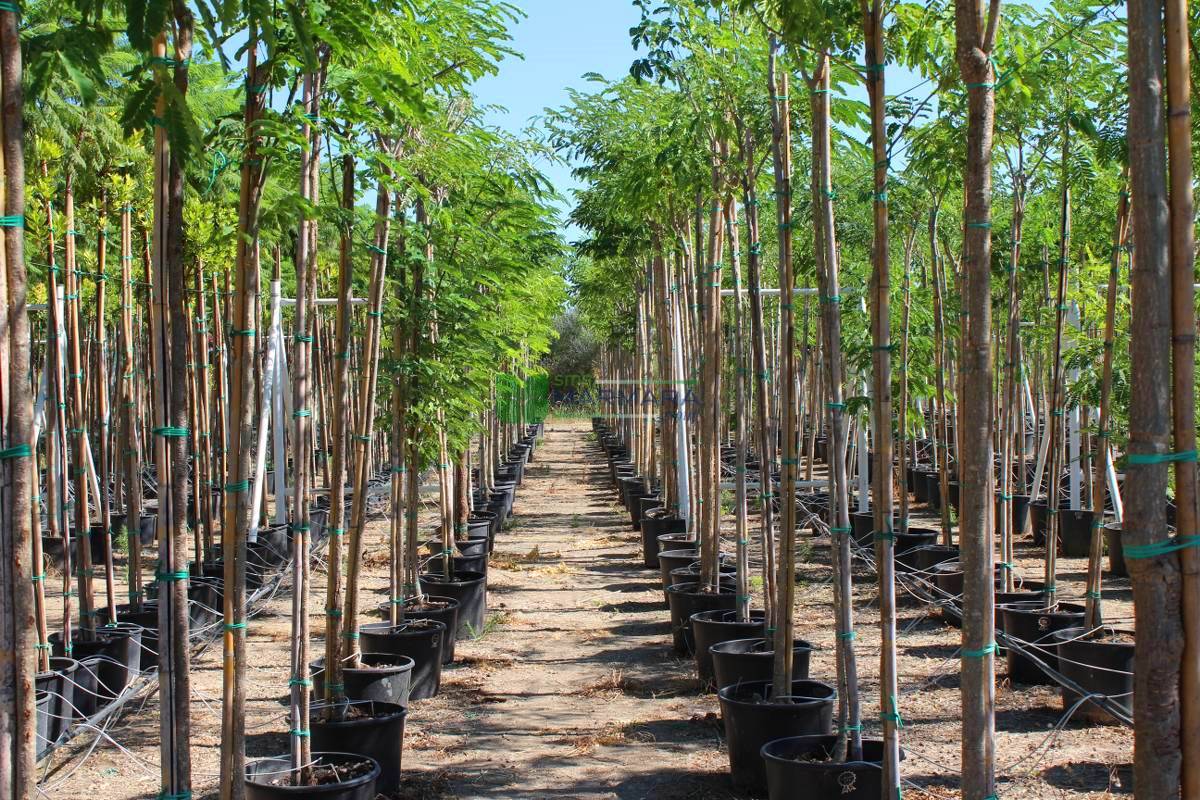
1153,566
975,37
18,776
881,400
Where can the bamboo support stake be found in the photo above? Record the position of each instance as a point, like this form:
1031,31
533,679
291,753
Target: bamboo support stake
1093,616
741,441
334,602
941,434
241,399
365,433
202,436
100,403
77,419
781,147
302,430
1008,406
1058,390
129,419
762,385
1178,45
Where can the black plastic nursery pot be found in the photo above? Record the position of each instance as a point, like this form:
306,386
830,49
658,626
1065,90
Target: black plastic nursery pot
920,484
118,653
653,526
681,540
341,776
276,541
753,717
1020,512
713,627
470,590
933,490
420,640
147,620
468,548
909,542
1116,551
749,660
863,525
1075,532
1035,624
691,574
460,563
632,489
68,670
686,599
803,766
444,610
385,678
924,559
50,688
84,685
618,470
674,559
369,728
478,527
481,515
43,718
646,502
1100,663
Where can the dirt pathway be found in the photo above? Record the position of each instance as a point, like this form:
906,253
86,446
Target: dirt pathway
574,692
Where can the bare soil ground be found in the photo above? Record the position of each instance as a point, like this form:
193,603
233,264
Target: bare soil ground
573,691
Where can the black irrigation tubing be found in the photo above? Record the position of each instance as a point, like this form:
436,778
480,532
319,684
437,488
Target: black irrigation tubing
921,592
147,682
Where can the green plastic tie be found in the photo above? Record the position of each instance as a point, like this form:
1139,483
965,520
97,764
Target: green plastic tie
303,339
1161,548
1159,458
981,224
19,451
848,636
18,220
894,714
171,433
181,575
836,406
240,486
235,626
236,332
300,733
981,652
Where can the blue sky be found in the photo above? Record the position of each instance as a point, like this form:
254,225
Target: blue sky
561,40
